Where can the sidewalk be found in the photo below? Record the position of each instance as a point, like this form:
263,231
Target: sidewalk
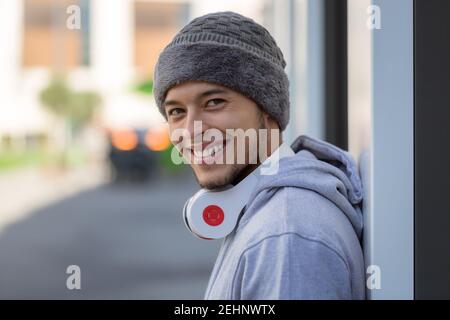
23,190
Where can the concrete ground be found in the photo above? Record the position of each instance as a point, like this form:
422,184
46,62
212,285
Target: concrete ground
129,240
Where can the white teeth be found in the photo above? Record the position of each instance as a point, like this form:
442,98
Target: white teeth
208,152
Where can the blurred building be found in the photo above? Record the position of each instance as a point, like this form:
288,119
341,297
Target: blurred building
114,50
116,47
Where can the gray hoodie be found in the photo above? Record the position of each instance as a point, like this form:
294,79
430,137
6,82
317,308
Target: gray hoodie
300,234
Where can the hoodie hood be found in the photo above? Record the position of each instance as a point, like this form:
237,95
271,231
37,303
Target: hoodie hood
318,166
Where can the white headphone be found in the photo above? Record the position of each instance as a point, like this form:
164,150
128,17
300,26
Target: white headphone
213,214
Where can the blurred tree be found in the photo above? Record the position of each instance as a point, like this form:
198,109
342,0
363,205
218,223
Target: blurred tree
75,108
82,107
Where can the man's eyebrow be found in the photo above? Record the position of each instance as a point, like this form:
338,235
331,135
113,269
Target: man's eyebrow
199,96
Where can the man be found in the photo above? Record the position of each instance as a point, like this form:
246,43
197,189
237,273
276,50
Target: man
299,235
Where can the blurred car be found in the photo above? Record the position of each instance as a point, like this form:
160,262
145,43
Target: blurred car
134,152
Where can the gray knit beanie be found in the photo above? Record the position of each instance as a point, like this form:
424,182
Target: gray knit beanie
228,49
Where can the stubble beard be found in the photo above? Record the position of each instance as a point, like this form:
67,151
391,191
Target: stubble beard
237,172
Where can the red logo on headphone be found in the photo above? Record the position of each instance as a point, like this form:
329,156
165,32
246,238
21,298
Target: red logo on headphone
213,215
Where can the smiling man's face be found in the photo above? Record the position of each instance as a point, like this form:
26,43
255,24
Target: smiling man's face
219,108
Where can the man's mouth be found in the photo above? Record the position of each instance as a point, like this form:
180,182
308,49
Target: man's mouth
208,153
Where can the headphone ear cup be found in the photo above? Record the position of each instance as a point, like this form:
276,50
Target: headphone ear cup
214,214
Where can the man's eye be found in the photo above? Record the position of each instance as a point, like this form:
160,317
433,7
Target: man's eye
175,112
214,102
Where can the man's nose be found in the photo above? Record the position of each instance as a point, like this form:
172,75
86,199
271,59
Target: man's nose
195,124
